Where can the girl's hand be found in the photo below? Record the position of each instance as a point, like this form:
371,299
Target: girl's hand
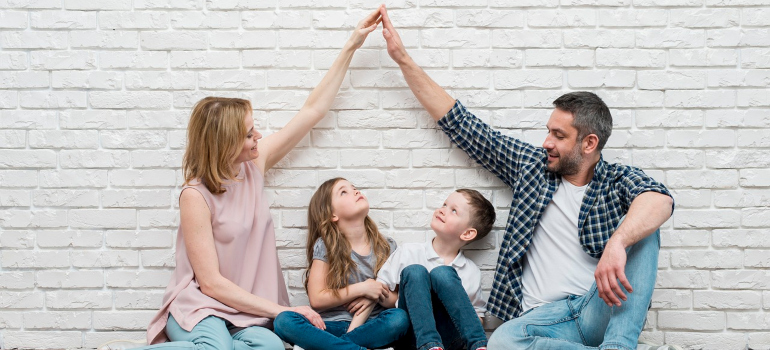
364,27
311,315
372,289
357,306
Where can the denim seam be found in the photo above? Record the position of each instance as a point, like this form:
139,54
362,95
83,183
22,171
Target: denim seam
431,345
614,346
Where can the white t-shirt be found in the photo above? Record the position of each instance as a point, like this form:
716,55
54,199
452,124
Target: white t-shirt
556,265
423,254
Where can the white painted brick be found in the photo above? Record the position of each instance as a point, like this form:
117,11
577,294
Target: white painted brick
737,37
747,78
272,19
697,98
66,238
100,259
420,139
431,158
419,178
13,139
756,258
133,20
361,178
412,219
755,217
524,3
487,58
140,239
243,40
705,18
489,18
699,259
310,159
742,198
670,38
91,80
160,80
559,58
279,59
104,40
748,118
24,80
740,238
747,321
81,299
561,18
176,40
205,20
102,218
158,258
702,178
13,60
35,259
707,218
123,320
204,59
733,159
133,60
135,299
64,139
27,159
93,159
630,58
52,99
65,198
755,177
541,78
63,20
740,279
672,3
755,17
139,279
8,99
593,38
62,279
130,99
97,4
632,17
684,238
17,280
701,139
73,178
18,178
671,299
682,279
13,20
15,198
455,38
669,118
156,159
708,299
666,80
33,219
67,320
311,39
133,139
42,339
136,198
706,340
11,320
158,219
755,58
33,40
691,320
753,98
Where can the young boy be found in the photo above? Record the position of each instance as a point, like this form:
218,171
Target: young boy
437,285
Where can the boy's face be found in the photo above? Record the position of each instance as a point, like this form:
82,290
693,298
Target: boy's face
453,217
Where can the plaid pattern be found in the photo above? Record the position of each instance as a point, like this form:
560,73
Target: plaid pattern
522,167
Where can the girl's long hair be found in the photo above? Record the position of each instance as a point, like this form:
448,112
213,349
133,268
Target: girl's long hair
338,250
215,135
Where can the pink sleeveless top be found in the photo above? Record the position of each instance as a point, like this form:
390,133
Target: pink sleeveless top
244,239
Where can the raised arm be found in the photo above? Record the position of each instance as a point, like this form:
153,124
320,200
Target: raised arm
432,97
274,147
199,242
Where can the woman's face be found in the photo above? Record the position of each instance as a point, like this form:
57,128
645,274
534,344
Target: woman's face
249,151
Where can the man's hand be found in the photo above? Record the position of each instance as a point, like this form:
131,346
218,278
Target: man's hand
610,269
364,27
311,315
396,48
357,306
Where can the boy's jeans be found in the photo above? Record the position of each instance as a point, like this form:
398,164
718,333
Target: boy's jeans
380,331
439,308
586,322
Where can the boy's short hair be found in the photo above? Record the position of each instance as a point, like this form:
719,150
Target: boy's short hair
482,212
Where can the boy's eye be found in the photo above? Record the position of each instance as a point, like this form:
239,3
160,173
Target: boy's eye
454,211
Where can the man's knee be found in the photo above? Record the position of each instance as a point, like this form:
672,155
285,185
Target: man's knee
507,335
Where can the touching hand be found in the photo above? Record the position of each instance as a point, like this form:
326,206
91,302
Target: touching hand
364,27
374,290
311,315
609,271
357,306
396,48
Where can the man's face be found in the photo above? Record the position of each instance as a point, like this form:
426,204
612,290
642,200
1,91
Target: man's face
564,150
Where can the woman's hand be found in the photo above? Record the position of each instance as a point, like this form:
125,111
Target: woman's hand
357,306
364,27
310,314
374,290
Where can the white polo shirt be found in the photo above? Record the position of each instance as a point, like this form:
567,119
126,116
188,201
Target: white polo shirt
423,254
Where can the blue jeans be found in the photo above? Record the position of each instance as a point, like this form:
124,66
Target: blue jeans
213,333
439,308
377,332
586,322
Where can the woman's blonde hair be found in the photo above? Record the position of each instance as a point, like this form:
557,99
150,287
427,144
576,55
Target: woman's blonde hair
338,250
215,135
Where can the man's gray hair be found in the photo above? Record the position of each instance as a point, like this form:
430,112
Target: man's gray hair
591,115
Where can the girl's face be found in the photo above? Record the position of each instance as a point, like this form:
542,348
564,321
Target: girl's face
249,150
348,202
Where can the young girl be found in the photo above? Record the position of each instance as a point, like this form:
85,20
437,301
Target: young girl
344,251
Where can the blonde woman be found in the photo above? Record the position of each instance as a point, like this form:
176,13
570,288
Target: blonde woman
227,286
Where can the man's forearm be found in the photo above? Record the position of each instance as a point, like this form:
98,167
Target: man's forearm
647,213
432,96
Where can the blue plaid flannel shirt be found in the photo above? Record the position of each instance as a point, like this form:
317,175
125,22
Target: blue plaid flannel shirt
522,167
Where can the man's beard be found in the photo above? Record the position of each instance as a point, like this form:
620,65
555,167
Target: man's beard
568,164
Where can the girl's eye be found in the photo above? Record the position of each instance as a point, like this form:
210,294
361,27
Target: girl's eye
343,192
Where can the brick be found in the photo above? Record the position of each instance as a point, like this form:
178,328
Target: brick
561,18
755,17
455,38
204,59
657,80
753,98
102,259
63,139
91,80
139,279
737,37
62,279
309,159
104,40
133,60
706,218
633,18
17,280
277,59
93,159
156,159
140,239
755,177
691,320
35,259
138,300
130,99
707,340
121,320
684,238
97,4
80,299
755,58
671,299
52,99
142,178
701,139
13,139
205,20
276,20
133,20
14,198
713,179
160,80
708,299
13,60
63,20
756,258
412,18
68,238
13,20
158,258
18,178
425,58
489,18
42,339
695,98
102,218
65,198
176,40
73,178
160,218
593,38
740,279
243,40
705,18
682,279
65,320
756,117
540,78
33,40
378,119
311,39
731,159
487,58
742,198
723,259
27,159
158,119
672,3
630,58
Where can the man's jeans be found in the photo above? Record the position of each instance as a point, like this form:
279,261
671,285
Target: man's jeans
438,306
586,322
377,332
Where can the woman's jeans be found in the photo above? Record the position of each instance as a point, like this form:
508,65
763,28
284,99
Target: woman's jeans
586,322
377,332
439,308
213,333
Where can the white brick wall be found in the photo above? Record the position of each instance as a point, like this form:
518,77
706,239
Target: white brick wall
95,96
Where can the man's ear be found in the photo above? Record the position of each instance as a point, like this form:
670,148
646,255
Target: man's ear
469,234
590,143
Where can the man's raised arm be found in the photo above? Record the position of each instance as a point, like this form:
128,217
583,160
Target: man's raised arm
433,97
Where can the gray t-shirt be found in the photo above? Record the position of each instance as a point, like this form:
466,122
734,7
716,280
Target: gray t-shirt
365,270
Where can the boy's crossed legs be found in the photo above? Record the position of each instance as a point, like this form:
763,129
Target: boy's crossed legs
439,309
586,322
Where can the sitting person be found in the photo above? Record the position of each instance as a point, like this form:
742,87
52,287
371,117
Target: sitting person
437,285
582,234
345,250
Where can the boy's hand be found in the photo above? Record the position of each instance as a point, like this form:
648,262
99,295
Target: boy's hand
372,289
357,306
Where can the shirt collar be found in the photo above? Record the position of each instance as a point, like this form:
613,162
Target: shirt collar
459,260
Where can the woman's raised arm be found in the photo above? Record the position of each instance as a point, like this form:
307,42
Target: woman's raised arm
274,147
